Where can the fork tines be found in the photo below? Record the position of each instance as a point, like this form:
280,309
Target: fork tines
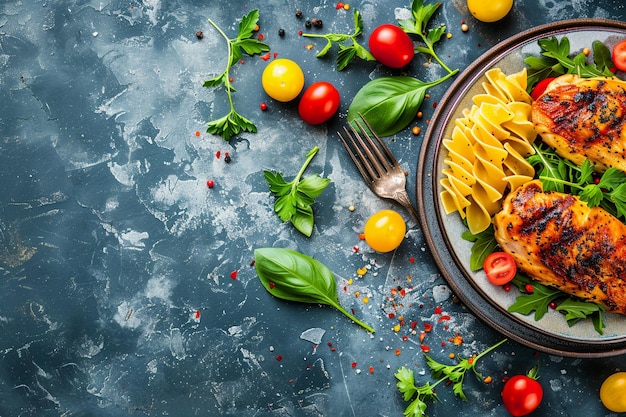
372,157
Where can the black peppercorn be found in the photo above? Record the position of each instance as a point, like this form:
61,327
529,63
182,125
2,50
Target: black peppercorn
318,23
307,24
298,14
281,32
199,34
227,158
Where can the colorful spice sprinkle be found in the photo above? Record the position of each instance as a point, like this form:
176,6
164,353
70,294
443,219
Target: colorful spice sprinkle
457,339
199,34
233,274
353,364
272,285
464,27
416,130
279,358
218,154
361,271
263,106
197,133
425,348
210,183
366,300
529,288
261,36
339,6
281,32
346,6
197,315
266,57
227,158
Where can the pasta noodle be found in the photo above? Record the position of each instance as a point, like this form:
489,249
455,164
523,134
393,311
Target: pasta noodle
487,150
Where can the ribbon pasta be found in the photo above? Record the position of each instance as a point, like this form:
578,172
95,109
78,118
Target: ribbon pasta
487,150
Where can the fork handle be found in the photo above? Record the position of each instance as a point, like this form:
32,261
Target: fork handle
402,197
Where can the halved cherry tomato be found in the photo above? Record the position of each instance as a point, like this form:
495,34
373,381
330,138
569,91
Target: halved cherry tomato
319,102
391,46
619,55
521,395
500,268
612,392
540,88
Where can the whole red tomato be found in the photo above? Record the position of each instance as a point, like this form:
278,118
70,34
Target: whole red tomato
319,102
391,46
521,395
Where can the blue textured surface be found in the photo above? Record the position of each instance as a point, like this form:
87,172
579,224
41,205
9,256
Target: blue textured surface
111,242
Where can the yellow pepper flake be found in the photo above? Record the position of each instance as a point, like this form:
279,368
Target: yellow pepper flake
357,294
361,271
398,351
396,328
350,281
451,356
586,51
346,6
448,35
457,340
366,300
487,380
309,46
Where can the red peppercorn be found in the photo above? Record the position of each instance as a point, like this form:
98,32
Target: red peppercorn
210,183
263,106
529,288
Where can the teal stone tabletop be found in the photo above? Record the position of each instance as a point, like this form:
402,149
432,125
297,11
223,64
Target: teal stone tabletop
128,281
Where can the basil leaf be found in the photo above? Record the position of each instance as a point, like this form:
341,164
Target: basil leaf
389,104
293,276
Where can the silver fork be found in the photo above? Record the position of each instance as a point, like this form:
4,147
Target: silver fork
379,168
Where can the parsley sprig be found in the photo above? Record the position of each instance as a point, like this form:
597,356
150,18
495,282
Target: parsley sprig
455,374
233,123
294,198
418,25
347,51
556,59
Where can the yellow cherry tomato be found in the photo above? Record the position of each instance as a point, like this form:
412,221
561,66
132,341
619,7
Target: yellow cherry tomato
489,11
384,230
613,392
283,79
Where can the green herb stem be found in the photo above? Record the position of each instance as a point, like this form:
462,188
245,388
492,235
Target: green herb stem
226,78
300,173
354,319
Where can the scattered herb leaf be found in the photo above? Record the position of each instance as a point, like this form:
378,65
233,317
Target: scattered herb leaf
293,276
422,14
389,104
233,123
294,198
347,52
455,374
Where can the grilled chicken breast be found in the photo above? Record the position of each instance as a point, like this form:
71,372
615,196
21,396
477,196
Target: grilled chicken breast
559,241
584,118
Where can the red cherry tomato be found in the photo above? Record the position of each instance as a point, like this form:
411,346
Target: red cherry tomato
521,395
500,268
391,46
319,103
619,55
540,88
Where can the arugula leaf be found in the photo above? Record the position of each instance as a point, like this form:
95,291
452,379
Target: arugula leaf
422,13
389,104
538,301
346,52
555,60
484,244
234,123
293,276
541,297
294,198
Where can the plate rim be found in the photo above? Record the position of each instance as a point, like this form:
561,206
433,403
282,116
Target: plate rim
430,220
